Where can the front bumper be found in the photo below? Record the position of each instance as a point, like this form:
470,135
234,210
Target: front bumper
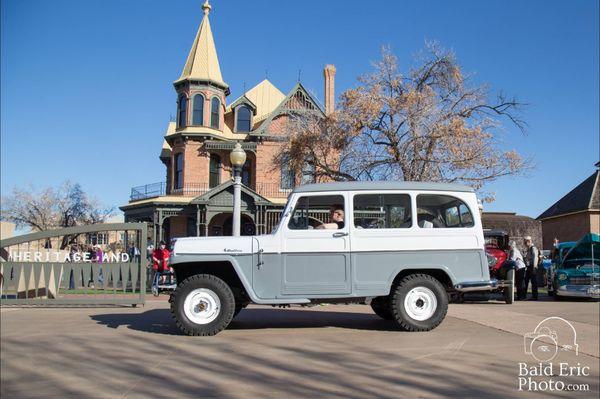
486,285
582,291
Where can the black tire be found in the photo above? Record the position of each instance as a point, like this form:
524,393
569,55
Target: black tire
509,292
402,318
216,285
381,307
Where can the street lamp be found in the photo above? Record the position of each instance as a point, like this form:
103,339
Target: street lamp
237,158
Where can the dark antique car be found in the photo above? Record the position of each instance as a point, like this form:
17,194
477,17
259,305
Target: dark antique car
496,250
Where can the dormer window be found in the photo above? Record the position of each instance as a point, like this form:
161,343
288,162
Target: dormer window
243,119
182,112
198,110
215,112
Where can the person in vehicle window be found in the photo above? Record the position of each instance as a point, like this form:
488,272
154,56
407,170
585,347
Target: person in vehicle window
337,217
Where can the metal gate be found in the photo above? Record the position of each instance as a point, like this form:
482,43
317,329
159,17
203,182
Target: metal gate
99,264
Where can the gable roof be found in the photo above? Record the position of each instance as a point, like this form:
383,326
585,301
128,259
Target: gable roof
242,100
228,186
583,197
283,107
202,62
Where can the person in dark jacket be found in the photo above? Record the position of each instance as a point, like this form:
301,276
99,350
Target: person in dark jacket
532,256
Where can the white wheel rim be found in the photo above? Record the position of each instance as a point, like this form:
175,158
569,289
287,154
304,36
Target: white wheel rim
202,306
420,303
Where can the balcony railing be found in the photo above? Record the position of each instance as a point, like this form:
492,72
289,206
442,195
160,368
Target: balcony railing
269,190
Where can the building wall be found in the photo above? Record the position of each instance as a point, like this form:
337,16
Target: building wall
178,226
196,163
568,227
517,226
595,222
266,170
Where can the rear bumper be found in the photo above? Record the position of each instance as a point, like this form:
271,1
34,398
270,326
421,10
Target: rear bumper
485,285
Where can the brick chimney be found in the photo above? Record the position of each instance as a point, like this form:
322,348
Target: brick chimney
329,74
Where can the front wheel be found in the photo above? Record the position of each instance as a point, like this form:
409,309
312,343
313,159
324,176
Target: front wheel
202,304
419,303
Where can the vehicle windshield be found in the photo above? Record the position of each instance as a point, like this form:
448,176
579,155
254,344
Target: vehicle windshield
282,216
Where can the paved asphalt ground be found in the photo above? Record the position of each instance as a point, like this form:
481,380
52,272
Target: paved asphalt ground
324,351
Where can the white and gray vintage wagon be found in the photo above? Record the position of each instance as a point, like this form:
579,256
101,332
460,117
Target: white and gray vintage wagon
402,247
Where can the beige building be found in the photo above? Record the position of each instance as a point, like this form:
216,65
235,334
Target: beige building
575,214
195,197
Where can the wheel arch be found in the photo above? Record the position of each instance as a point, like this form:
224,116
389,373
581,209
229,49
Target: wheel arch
442,274
226,269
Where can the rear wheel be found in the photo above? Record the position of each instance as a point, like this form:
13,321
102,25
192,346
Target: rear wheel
381,307
202,305
419,303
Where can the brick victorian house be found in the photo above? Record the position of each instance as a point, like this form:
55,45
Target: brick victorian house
196,198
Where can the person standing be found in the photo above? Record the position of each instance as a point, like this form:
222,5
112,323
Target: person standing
516,257
531,262
160,258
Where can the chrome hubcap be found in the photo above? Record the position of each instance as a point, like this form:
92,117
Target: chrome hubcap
202,306
420,303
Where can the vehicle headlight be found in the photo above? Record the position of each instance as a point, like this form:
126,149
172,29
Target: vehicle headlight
562,276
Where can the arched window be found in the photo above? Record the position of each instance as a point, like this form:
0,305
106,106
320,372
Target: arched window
214,178
178,183
198,110
215,106
243,115
182,112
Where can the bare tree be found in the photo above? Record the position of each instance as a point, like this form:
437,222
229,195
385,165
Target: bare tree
431,124
52,208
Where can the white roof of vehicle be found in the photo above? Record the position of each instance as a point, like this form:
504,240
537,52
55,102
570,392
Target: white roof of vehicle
382,185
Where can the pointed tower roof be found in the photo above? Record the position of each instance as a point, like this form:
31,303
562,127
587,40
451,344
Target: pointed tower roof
202,62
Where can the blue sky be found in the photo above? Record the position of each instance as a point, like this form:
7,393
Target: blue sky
87,91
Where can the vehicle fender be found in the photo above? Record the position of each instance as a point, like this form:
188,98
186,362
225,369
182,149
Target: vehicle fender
421,267
232,259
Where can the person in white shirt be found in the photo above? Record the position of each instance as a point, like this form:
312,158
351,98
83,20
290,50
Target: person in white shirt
515,256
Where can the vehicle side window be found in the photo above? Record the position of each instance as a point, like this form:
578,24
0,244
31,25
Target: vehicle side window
382,211
442,211
318,212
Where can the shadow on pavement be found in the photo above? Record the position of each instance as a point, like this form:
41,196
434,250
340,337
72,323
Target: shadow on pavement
159,321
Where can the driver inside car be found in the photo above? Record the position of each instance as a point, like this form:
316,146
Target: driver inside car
337,217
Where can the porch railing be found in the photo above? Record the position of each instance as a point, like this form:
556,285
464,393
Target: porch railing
269,190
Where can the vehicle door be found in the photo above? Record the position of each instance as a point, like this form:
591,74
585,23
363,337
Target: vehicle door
316,247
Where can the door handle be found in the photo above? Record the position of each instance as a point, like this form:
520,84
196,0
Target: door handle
340,234
260,258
